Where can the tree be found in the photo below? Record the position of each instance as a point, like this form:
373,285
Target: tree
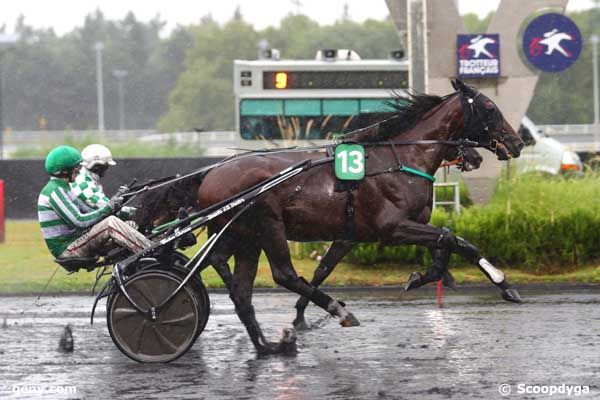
210,61
56,76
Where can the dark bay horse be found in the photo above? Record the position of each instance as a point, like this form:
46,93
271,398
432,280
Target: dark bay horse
163,205
392,206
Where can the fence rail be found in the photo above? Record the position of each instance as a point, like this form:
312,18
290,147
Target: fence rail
216,142
581,138
456,195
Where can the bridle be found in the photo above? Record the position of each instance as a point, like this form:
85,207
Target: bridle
477,127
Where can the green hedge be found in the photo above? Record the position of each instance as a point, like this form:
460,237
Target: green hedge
539,224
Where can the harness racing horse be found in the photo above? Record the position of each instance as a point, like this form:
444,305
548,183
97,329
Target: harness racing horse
392,204
163,205
466,159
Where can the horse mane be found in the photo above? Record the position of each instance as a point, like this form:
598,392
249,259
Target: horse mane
407,112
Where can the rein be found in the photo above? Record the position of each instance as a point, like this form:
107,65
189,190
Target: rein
468,103
456,161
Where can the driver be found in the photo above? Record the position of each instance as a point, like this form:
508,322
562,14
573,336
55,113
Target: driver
73,229
87,187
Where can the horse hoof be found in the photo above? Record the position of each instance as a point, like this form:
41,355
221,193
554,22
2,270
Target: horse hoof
448,281
287,345
301,325
511,295
289,335
414,281
349,321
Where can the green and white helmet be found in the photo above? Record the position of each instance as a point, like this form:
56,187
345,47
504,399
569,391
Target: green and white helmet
96,154
62,158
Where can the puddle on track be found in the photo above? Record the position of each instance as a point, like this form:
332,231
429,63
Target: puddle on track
405,348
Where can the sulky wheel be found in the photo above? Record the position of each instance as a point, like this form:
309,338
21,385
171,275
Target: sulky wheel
201,295
176,327
177,262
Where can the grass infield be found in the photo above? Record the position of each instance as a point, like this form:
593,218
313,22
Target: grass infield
26,265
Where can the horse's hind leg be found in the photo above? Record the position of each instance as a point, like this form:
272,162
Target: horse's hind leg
334,254
274,243
218,259
246,265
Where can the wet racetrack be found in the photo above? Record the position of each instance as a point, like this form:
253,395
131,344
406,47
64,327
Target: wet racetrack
406,348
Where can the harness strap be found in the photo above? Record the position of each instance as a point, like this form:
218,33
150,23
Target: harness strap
461,142
402,168
395,154
350,225
418,173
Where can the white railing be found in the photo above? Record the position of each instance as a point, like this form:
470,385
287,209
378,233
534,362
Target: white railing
568,129
576,137
456,196
215,142
35,137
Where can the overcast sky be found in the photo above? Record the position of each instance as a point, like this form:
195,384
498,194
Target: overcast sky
64,15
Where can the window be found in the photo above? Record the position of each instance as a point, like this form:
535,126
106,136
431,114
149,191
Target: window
308,119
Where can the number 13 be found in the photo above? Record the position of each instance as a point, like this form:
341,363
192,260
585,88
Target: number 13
356,161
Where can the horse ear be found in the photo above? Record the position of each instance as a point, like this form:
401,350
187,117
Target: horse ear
457,84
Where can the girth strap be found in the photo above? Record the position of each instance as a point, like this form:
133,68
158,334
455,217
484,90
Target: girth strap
401,168
350,224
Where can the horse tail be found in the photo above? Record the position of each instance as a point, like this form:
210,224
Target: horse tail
164,202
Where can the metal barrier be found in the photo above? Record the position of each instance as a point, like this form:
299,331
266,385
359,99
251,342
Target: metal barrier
214,142
581,138
456,202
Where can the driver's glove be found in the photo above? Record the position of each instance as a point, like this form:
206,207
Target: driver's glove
122,190
116,201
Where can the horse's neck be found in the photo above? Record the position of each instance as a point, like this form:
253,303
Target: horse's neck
441,123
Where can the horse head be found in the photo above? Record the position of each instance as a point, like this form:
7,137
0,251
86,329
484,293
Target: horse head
485,124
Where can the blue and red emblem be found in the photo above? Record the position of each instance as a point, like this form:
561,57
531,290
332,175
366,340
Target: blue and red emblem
552,42
478,56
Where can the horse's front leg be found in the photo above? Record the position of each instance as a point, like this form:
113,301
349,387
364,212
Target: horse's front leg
410,232
334,254
470,253
438,271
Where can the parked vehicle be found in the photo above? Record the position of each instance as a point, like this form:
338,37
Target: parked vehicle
544,154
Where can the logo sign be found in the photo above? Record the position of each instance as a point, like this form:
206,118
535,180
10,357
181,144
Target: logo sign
552,42
478,56
349,162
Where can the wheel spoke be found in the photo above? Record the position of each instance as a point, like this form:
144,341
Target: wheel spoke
141,286
142,295
178,300
140,337
164,340
189,317
122,313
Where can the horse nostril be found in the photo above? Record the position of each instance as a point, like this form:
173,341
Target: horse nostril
520,146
